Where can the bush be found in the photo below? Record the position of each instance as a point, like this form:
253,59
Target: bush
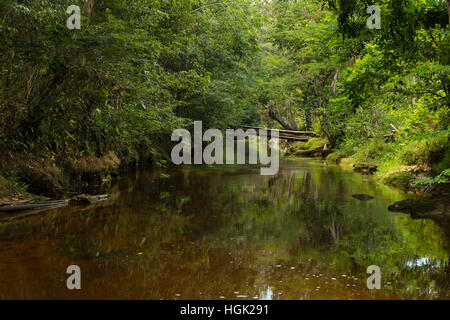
372,149
335,157
312,144
444,164
428,149
9,186
443,177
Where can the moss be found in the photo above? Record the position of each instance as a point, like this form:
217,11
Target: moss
430,149
365,168
312,144
401,179
335,157
347,162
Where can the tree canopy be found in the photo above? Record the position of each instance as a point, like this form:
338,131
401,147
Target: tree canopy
136,70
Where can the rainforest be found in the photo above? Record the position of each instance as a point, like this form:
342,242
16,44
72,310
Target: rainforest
359,91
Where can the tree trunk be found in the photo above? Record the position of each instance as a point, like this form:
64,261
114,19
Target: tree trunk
87,9
281,122
308,122
448,11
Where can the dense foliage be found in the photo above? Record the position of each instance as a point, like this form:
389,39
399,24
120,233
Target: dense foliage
355,84
138,69
133,72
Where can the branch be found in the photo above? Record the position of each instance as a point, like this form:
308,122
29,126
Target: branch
277,119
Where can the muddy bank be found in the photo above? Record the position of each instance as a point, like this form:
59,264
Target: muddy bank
63,177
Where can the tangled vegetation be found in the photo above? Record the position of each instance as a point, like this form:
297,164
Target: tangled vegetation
137,69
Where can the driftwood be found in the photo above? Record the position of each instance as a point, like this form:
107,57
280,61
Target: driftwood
34,205
309,152
391,137
31,208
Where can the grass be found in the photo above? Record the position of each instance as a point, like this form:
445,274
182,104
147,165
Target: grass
335,157
431,149
11,187
401,161
312,144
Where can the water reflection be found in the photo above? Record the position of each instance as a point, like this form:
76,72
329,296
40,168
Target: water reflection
267,294
229,233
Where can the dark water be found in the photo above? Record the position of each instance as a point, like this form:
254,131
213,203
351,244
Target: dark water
227,233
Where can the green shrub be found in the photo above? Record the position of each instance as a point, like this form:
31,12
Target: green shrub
444,164
443,177
427,149
312,144
335,157
372,149
10,186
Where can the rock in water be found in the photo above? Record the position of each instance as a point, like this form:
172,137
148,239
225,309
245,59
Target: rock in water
420,207
363,197
82,200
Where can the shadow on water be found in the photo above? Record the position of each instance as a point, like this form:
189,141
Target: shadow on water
226,233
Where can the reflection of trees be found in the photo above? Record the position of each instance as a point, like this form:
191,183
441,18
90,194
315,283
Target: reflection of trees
335,231
218,232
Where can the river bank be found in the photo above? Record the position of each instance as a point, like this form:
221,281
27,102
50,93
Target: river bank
415,179
37,178
417,170
25,177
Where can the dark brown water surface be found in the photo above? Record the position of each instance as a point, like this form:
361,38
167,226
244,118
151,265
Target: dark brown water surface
229,233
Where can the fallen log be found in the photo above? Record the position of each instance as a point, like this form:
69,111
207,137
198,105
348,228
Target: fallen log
47,205
286,137
32,206
365,168
389,137
309,152
294,132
